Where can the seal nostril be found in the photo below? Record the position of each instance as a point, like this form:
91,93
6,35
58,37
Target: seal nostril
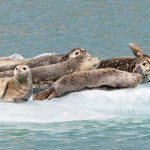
95,65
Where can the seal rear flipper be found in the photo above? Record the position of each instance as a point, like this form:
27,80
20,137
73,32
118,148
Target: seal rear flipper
43,94
52,96
137,51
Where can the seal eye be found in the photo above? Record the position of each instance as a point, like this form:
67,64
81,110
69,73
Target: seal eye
16,68
24,68
76,53
144,63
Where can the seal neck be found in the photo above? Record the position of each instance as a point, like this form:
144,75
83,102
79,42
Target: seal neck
22,79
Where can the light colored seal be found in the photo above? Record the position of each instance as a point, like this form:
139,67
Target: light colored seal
17,88
13,57
89,79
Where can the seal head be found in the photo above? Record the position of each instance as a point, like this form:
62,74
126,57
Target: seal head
143,68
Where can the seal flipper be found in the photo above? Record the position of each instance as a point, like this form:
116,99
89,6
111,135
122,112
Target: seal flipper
52,96
137,51
46,94
3,86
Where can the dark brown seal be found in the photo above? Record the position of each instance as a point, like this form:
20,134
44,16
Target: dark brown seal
89,79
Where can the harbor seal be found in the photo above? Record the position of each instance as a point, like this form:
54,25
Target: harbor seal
89,79
12,57
44,76
42,60
130,64
17,88
71,54
142,68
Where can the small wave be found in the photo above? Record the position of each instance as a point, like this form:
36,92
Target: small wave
84,105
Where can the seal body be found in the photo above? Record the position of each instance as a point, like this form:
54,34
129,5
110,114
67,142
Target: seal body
140,65
90,79
121,63
17,88
42,60
44,76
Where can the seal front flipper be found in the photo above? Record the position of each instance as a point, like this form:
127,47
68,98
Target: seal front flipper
20,100
3,86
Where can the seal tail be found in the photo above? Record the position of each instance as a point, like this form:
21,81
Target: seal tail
44,94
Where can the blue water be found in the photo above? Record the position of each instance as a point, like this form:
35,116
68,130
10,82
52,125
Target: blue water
92,119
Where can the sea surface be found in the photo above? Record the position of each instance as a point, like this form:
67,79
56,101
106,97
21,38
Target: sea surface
86,120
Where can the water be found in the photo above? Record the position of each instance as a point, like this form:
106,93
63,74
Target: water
92,119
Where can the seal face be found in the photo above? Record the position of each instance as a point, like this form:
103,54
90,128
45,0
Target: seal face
17,88
143,68
76,52
90,63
